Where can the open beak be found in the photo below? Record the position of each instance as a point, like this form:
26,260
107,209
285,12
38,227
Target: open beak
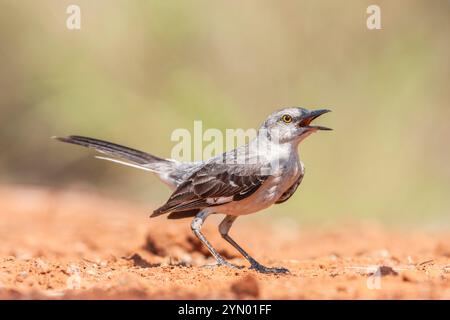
313,114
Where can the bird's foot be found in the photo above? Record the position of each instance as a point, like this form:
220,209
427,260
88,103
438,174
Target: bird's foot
263,269
223,263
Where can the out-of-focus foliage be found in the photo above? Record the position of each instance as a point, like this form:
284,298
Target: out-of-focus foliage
137,70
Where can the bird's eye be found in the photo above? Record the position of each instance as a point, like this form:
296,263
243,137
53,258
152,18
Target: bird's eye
286,118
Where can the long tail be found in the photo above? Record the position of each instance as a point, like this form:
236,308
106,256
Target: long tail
132,157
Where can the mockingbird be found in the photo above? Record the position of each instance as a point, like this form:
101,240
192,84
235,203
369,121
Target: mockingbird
245,180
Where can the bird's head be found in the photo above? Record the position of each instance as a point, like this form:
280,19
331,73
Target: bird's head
291,124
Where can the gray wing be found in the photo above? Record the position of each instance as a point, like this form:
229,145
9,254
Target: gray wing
212,185
289,192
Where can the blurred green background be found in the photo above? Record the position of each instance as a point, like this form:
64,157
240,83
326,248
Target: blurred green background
137,70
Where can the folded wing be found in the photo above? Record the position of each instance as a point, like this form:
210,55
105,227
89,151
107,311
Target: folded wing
212,185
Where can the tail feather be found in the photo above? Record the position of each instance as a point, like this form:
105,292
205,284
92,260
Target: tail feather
112,149
126,163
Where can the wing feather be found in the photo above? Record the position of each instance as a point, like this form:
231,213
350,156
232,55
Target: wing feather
289,192
212,185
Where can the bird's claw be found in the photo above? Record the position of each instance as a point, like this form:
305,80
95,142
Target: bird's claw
263,269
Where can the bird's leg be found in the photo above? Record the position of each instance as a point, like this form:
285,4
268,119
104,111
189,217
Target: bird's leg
224,228
196,225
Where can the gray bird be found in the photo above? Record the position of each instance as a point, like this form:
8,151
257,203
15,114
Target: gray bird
242,181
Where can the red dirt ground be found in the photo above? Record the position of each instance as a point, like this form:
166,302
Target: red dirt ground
70,245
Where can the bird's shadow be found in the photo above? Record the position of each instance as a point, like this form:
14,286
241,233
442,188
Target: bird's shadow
138,261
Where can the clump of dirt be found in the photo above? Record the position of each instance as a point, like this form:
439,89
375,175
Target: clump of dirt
246,287
72,245
171,242
384,271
